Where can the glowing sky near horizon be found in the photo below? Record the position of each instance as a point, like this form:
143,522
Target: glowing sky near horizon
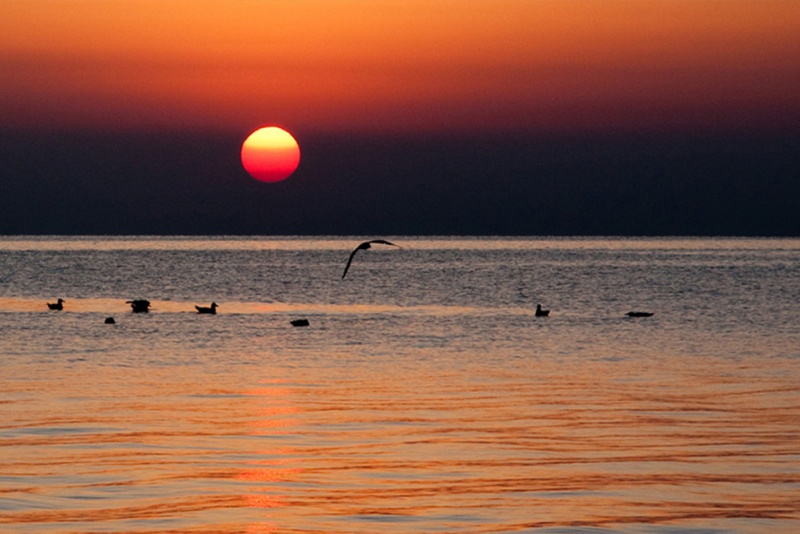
401,65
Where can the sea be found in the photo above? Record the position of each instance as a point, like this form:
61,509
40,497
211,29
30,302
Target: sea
424,396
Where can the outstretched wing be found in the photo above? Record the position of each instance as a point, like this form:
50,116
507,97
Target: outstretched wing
382,242
350,260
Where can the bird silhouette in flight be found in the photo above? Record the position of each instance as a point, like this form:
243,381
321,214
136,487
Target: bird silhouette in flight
364,246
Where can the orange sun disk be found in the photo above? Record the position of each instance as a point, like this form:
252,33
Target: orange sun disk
270,154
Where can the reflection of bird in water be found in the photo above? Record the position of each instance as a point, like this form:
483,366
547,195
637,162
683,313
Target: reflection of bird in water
211,309
139,306
364,246
57,306
639,314
540,312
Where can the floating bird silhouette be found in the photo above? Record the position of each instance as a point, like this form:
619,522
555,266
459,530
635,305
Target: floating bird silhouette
57,306
639,314
110,320
540,312
299,322
139,306
211,309
364,246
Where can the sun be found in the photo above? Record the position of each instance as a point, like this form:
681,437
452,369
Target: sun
270,154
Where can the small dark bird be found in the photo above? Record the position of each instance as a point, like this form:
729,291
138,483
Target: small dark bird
110,320
639,314
139,306
540,312
57,306
300,322
364,246
211,309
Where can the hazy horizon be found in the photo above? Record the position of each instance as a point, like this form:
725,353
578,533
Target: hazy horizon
509,117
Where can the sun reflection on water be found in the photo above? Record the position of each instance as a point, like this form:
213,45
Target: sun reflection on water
433,402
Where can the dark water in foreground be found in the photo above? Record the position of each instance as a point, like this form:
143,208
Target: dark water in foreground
424,397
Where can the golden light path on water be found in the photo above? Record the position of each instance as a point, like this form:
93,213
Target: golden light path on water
121,307
438,407
535,443
619,449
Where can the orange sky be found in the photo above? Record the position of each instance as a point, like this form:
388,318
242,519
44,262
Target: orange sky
401,65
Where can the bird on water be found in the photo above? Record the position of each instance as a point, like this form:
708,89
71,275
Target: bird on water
139,306
540,312
59,305
364,246
211,309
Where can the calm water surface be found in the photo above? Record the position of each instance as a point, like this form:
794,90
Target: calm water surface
425,396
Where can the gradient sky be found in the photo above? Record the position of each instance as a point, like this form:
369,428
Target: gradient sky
401,65
499,117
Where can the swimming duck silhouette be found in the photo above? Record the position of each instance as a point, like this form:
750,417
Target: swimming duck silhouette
540,312
299,322
59,305
139,306
364,246
211,309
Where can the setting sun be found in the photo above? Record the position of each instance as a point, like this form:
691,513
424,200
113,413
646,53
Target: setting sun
270,154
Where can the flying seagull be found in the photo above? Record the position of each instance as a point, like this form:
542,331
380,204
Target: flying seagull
364,246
